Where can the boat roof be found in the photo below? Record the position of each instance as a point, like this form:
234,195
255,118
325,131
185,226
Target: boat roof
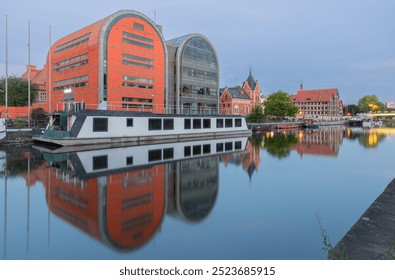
114,113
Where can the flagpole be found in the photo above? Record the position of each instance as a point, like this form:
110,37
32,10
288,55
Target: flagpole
49,74
28,77
6,67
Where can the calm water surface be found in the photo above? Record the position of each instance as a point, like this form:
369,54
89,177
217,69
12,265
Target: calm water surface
261,198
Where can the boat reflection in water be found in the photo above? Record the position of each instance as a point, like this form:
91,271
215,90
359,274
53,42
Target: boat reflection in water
120,196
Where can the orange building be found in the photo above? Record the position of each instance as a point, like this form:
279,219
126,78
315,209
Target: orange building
117,63
240,100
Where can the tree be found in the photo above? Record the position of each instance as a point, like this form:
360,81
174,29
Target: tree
17,91
352,110
40,117
256,114
278,104
370,103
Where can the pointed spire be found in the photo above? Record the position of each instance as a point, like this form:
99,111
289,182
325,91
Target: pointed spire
301,85
250,80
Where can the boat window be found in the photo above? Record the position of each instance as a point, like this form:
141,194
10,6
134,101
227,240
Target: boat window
237,122
100,162
197,150
228,146
238,145
168,153
187,151
154,124
206,123
129,160
187,123
206,149
220,147
197,123
168,124
220,123
154,155
228,122
100,124
129,122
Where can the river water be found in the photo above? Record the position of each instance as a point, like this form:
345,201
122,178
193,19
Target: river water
267,197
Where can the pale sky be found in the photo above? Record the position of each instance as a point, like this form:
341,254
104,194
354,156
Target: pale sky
344,44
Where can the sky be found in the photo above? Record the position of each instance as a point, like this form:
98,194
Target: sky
343,44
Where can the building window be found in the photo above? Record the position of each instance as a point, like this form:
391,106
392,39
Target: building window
187,151
129,160
100,162
220,123
187,123
154,124
129,122
154,155
168,153
138,26
197,124
206,123
228,146
168,124
197,150
43,96
206,149
228,122
100,124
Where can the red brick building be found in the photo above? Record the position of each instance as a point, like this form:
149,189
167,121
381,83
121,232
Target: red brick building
322,104
240,100
38,77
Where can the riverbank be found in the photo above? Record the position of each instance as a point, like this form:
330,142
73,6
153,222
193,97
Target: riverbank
373,236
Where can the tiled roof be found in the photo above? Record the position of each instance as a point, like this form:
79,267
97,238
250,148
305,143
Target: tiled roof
314,95
236,92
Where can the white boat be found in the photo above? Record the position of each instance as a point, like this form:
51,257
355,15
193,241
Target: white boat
370,122
96,127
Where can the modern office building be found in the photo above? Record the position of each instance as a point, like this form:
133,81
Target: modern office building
117,63
193,70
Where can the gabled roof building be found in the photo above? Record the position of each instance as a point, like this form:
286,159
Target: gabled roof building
240,100
323,104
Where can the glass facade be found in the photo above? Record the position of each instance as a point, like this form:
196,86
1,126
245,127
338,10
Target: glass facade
198,77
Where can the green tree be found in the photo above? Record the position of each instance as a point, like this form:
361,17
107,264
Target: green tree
370,103
352,110
17,91
256,114
278,104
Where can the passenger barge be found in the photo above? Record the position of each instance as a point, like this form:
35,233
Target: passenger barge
96,127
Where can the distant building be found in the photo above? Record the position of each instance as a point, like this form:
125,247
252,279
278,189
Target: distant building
193,75
240,100
38,77
323,104
390,105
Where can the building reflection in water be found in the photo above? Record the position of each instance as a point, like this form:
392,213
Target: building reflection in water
322,142
120,196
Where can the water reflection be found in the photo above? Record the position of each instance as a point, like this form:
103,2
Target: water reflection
120,196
